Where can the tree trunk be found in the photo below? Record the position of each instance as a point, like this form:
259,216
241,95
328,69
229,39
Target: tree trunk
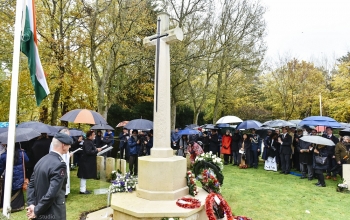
217,98
173,114
54,109
195,116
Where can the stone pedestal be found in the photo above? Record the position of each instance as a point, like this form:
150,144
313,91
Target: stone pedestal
100,161
121,165
188,161
346,173
128,206
110,166
162,178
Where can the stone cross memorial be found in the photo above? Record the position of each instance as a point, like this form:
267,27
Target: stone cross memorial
161,176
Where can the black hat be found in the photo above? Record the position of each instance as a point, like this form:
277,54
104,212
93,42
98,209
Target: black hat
124,128
64,138
135,131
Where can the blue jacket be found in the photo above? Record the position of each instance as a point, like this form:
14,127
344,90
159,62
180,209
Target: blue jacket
256,142
18,175
134,148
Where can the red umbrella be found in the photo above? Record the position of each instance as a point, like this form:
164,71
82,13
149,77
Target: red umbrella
122,124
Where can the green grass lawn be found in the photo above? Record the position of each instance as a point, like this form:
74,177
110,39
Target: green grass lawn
256,193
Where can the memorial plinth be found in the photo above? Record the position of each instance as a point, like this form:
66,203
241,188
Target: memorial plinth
162,178
128,206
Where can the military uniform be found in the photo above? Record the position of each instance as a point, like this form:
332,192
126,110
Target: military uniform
47,187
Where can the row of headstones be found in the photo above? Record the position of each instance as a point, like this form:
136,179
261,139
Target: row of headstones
105,166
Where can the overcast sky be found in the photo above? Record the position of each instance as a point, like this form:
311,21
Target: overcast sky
307,29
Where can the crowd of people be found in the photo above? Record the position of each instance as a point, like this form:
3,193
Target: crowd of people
283,145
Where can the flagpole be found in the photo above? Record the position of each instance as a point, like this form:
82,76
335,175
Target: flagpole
13,112
320,104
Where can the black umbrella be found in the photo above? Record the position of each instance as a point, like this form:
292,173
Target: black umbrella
75,133
191,126
38,126
21,134
139,124
345,132
101,127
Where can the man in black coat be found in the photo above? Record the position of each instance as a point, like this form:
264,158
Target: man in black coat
41,147
331,158
305,157
47,187
285,150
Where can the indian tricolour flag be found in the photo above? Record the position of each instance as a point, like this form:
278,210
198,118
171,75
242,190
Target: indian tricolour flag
29,46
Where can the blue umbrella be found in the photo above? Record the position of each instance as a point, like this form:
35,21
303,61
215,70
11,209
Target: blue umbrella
38,126
249,124
21,134
188,132
320,121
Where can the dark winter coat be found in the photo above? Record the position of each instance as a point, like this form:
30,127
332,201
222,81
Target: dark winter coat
214,143
40,148
236,138
324,152
18,174
331,148
307,156
47,187
87,162
287,141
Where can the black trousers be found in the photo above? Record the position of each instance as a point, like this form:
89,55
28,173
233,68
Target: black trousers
133,164
285,162
320,177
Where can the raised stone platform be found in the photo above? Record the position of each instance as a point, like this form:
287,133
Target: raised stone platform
162,178
128,206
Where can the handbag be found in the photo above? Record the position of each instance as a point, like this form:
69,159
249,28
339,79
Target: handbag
320,160
26,181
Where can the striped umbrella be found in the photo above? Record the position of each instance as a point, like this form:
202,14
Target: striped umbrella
83,116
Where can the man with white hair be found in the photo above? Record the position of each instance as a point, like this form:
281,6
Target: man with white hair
66,158
46,190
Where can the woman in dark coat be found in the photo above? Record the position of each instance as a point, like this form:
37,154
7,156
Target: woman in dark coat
305,159
236,138
245,145
323,151
214,143
17,197
87,164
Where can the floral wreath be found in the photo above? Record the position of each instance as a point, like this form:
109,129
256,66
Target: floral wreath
209,204
209,182
243,166
191,183
210,157
188,203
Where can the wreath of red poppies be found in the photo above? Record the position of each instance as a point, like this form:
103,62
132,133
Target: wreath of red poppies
209,202
188,203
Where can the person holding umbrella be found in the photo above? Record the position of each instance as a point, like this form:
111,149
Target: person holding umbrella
134,144
285,151
123,143
331,159
342,153
321,151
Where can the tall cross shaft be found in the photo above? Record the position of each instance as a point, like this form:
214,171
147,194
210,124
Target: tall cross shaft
157,58
161,116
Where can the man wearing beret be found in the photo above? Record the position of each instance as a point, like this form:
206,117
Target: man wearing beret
47,186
